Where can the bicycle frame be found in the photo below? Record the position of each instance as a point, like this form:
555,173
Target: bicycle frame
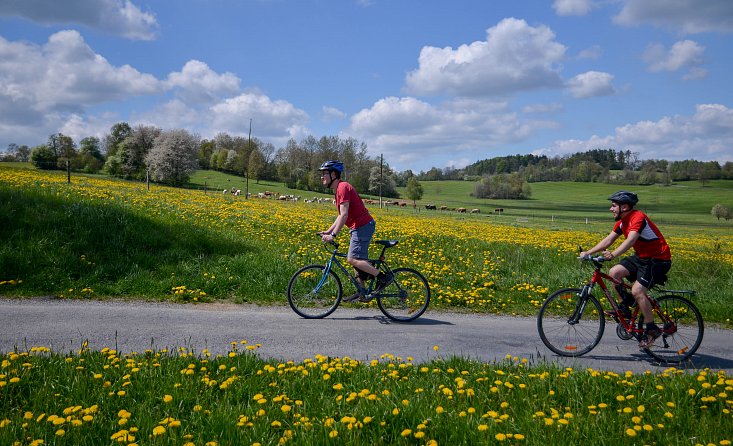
379,263
598,279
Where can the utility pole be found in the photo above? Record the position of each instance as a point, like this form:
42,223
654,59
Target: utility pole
246,172
381,163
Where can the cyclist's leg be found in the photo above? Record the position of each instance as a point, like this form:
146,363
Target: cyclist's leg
358,253
650,272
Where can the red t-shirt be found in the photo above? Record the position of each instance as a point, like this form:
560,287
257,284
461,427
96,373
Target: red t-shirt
358,213
651,243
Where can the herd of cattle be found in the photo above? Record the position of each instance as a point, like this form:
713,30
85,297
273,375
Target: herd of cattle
290,197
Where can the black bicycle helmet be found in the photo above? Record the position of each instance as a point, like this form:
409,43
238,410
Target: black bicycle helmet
624,197
332,165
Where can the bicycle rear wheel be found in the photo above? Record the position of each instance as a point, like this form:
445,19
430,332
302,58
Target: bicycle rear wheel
567,325
682,328
313,295
406,298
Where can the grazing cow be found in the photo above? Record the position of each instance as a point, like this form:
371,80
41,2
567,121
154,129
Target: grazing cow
444,208
237,192
430,207
499,210
461,210
475,211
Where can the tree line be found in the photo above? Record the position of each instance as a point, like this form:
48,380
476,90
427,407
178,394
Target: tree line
170,157
597,165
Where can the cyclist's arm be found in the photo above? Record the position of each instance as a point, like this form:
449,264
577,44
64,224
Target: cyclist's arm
337,224
623,247
602,245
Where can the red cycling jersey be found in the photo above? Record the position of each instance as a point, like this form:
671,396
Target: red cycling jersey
651,243
358,213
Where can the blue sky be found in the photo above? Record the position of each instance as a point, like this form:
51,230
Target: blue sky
427,83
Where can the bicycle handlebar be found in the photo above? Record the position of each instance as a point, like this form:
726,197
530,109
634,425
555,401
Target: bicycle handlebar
599,259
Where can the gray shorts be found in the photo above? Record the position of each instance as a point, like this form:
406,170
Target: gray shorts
360,239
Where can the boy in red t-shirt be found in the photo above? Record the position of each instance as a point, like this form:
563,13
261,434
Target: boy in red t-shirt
353,214
649,265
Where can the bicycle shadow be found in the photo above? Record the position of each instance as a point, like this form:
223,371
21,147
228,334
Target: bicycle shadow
384,320
697,362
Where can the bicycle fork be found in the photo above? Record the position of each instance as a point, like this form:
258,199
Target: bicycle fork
580,305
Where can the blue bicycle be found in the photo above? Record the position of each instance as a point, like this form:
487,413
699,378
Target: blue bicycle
315,291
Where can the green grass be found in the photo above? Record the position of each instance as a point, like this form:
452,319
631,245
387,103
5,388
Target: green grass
110,238
183,397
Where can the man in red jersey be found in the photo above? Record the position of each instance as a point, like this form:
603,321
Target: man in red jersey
353,214
648,266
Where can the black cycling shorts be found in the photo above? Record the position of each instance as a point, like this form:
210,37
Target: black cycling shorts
648,272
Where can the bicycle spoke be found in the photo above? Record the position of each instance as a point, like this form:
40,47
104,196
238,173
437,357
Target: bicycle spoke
683,330
564,334
407,297
312,295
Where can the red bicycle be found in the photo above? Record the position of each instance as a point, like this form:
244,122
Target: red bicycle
571,321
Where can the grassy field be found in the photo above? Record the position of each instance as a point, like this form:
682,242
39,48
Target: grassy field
191,399
96,238
100,237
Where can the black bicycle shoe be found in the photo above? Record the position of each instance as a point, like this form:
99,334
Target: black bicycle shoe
354,297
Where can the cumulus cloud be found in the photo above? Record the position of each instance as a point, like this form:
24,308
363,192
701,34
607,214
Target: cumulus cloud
591,84
332,114
706,135
683,54
64,75
197,83
514,57
686,16
572,7
271,118
50,88
113,16
407,129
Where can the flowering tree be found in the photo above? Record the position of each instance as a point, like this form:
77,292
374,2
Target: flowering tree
173,157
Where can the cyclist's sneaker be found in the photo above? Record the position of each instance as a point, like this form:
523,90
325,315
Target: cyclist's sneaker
650,335
382,281
354,297
622,310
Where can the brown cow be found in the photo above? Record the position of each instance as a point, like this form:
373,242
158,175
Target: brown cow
461,210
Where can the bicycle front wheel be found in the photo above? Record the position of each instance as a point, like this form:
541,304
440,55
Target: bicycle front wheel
682,330
569,325
312,293
406,298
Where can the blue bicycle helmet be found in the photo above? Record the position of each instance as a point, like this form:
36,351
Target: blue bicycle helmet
332,165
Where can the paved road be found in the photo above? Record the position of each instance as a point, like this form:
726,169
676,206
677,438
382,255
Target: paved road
362,334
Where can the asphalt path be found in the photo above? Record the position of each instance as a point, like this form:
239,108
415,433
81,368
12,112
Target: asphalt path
358,333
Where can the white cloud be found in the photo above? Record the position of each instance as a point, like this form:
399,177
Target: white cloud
50,88
594,52
543,108
197,83
706,135
41,85
332,114
409,130
572,7
271,119
514,57
591,84
683,54
686,16
112,16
